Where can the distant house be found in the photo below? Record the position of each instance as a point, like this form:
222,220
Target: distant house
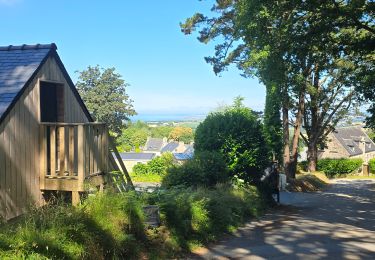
347,142
48,140
174,147
132,159
185,155
155,145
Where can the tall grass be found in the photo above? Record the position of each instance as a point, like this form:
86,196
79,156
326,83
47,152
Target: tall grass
105,226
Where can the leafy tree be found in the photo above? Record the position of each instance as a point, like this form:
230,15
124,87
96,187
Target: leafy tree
237,134
161,131
302,47
104,93
180,133
272,122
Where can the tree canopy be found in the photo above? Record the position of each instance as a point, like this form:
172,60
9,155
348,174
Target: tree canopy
104,93
314,54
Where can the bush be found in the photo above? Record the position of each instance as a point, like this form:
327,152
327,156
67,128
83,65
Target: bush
371,163
336,167
237,134
158,166
205,169
199,216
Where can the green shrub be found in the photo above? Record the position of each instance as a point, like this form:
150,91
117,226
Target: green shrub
371,163
237,134
157,166
336,167
205,169
201,215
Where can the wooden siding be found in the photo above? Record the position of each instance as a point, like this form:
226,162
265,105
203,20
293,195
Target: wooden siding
19,143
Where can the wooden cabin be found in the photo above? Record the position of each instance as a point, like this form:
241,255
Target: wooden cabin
48,140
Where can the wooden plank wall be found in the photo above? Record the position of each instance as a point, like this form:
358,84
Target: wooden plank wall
19,144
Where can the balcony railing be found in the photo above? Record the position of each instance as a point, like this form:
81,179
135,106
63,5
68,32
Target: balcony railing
72,153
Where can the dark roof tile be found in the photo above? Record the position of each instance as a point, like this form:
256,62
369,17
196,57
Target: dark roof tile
17,65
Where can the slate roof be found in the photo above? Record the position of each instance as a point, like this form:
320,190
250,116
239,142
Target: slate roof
19,65
137,156
154,144
183,156
170,147
350,139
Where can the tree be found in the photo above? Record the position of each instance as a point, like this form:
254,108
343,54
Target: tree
104,93
272,122
295,46
133,137
237,134
180,133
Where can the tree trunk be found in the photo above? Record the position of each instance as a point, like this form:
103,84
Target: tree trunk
285,111
312,157
297,132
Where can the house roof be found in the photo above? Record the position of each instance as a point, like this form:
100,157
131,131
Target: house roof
154,144
350,138
170,147
18,67
137,156
183,156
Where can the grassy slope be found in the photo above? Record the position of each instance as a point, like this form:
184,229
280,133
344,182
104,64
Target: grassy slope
307,182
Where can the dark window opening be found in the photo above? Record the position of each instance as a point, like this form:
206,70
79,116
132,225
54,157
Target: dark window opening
51,102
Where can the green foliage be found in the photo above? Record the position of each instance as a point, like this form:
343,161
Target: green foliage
205,169
104,94
161,131
106,226
200,215
180,133
237,134
134,136
371,163
157,166
272,121
336,167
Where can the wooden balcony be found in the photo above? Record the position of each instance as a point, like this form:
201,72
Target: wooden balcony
73,155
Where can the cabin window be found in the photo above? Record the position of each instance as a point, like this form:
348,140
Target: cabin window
51,102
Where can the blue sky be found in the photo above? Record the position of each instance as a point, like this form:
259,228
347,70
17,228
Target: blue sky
142,40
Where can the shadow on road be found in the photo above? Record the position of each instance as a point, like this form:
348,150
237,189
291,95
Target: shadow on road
336,224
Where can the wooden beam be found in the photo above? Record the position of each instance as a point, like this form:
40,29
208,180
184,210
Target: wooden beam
75,198
42,155
118,157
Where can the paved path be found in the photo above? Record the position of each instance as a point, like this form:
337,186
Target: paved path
336,224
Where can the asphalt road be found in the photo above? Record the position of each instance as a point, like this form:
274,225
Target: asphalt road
338,223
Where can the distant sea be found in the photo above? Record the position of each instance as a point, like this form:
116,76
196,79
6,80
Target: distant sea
167,117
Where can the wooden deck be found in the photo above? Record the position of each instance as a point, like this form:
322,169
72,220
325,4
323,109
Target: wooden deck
73,156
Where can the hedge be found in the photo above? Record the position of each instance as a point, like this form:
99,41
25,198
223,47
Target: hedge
336,167
371,163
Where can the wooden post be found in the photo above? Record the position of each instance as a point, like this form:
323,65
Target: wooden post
42,155
75,198
105,150
53,150
81,156
71,150
62,150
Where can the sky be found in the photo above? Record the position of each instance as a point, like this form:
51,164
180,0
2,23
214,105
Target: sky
142,40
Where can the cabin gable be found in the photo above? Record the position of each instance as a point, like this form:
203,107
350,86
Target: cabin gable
19,137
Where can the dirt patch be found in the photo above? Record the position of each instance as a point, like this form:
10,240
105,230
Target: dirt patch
308,182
